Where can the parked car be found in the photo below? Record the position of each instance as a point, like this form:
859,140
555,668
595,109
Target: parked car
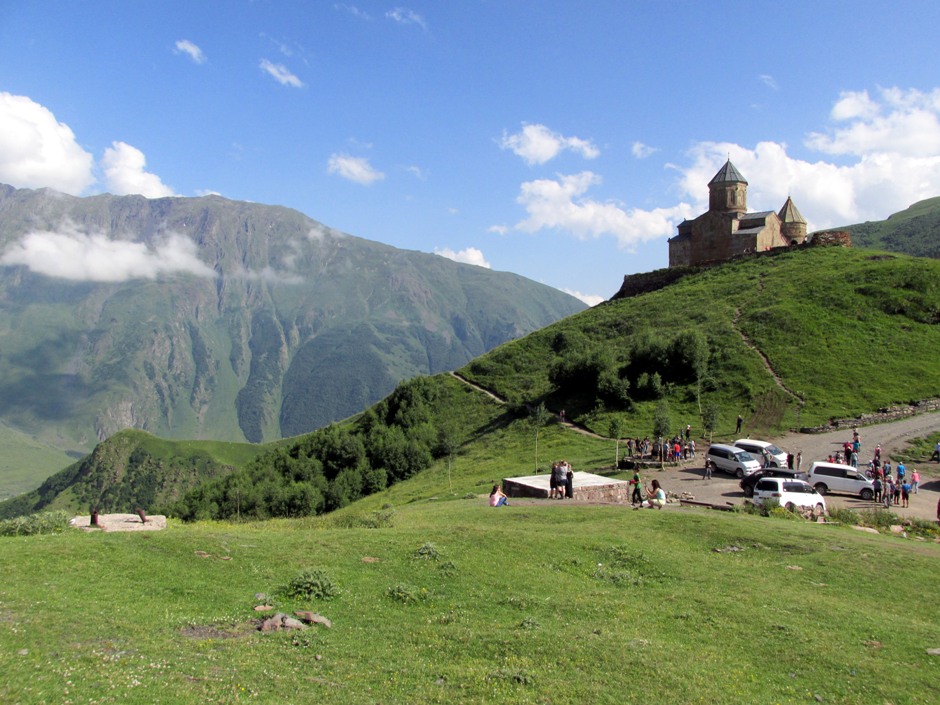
791,494
748,481
835,477
762,449
732,460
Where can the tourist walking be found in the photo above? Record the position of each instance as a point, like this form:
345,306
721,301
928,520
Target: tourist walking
905,493
637,496
888,491
915,480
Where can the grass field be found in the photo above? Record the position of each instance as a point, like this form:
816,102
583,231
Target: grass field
457,602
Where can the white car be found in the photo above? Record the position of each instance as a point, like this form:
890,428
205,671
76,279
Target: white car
790,494
764,452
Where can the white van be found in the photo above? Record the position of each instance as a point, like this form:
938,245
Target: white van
835,477
731,459
763,449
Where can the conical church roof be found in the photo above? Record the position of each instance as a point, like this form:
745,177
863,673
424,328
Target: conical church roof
790,214
728,173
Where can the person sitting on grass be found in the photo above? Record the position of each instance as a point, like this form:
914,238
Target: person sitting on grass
657,496
497,498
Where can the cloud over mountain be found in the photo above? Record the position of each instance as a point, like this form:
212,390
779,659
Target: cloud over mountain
71,254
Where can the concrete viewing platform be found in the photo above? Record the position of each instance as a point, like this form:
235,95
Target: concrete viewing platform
586,487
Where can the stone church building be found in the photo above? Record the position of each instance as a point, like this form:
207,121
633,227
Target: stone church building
727,229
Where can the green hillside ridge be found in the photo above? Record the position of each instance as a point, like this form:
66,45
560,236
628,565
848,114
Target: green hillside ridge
914,231
842,331
133,469
791,340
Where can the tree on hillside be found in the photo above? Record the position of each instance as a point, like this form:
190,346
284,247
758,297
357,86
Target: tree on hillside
538,417
616,432
710,418
661,426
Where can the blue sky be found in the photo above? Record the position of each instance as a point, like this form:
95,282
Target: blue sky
559,140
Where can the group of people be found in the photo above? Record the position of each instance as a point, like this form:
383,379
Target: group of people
561,483
893,489
676,448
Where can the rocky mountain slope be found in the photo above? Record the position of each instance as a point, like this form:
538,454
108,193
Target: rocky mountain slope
210,318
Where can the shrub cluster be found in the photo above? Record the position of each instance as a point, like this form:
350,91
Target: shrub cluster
34,524
337,465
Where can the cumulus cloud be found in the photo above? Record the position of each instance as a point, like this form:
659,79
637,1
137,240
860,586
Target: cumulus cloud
642,151
36,150
470,255
125,173
184,46
79,256
355,169
561,204
537,144
281,74
903,123
888,150
589,299
402,15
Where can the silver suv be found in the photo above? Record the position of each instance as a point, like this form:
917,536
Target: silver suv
732,460
834,477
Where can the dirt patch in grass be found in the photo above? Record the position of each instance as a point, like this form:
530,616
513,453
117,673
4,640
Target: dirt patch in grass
220,631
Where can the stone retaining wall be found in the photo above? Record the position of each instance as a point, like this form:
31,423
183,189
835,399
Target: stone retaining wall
893,413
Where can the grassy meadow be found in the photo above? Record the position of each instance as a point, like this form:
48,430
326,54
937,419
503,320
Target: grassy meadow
448,600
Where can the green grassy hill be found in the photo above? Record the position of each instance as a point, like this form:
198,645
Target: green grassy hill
913,231
451,601
790,340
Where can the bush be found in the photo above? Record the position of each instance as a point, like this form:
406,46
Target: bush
35,524
311,585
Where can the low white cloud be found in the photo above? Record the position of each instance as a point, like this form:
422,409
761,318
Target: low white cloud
281,74
125,173
537,144
402,15
470,255
190,49
355,169
498,229
561,204
589,299
71,254
36,150
642,151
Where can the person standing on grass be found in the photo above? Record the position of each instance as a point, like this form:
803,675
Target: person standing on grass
740,423
915,480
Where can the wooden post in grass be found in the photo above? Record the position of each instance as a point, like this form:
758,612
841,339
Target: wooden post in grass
142,514
94,518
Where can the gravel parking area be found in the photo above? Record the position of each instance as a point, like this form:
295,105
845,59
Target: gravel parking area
724,489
